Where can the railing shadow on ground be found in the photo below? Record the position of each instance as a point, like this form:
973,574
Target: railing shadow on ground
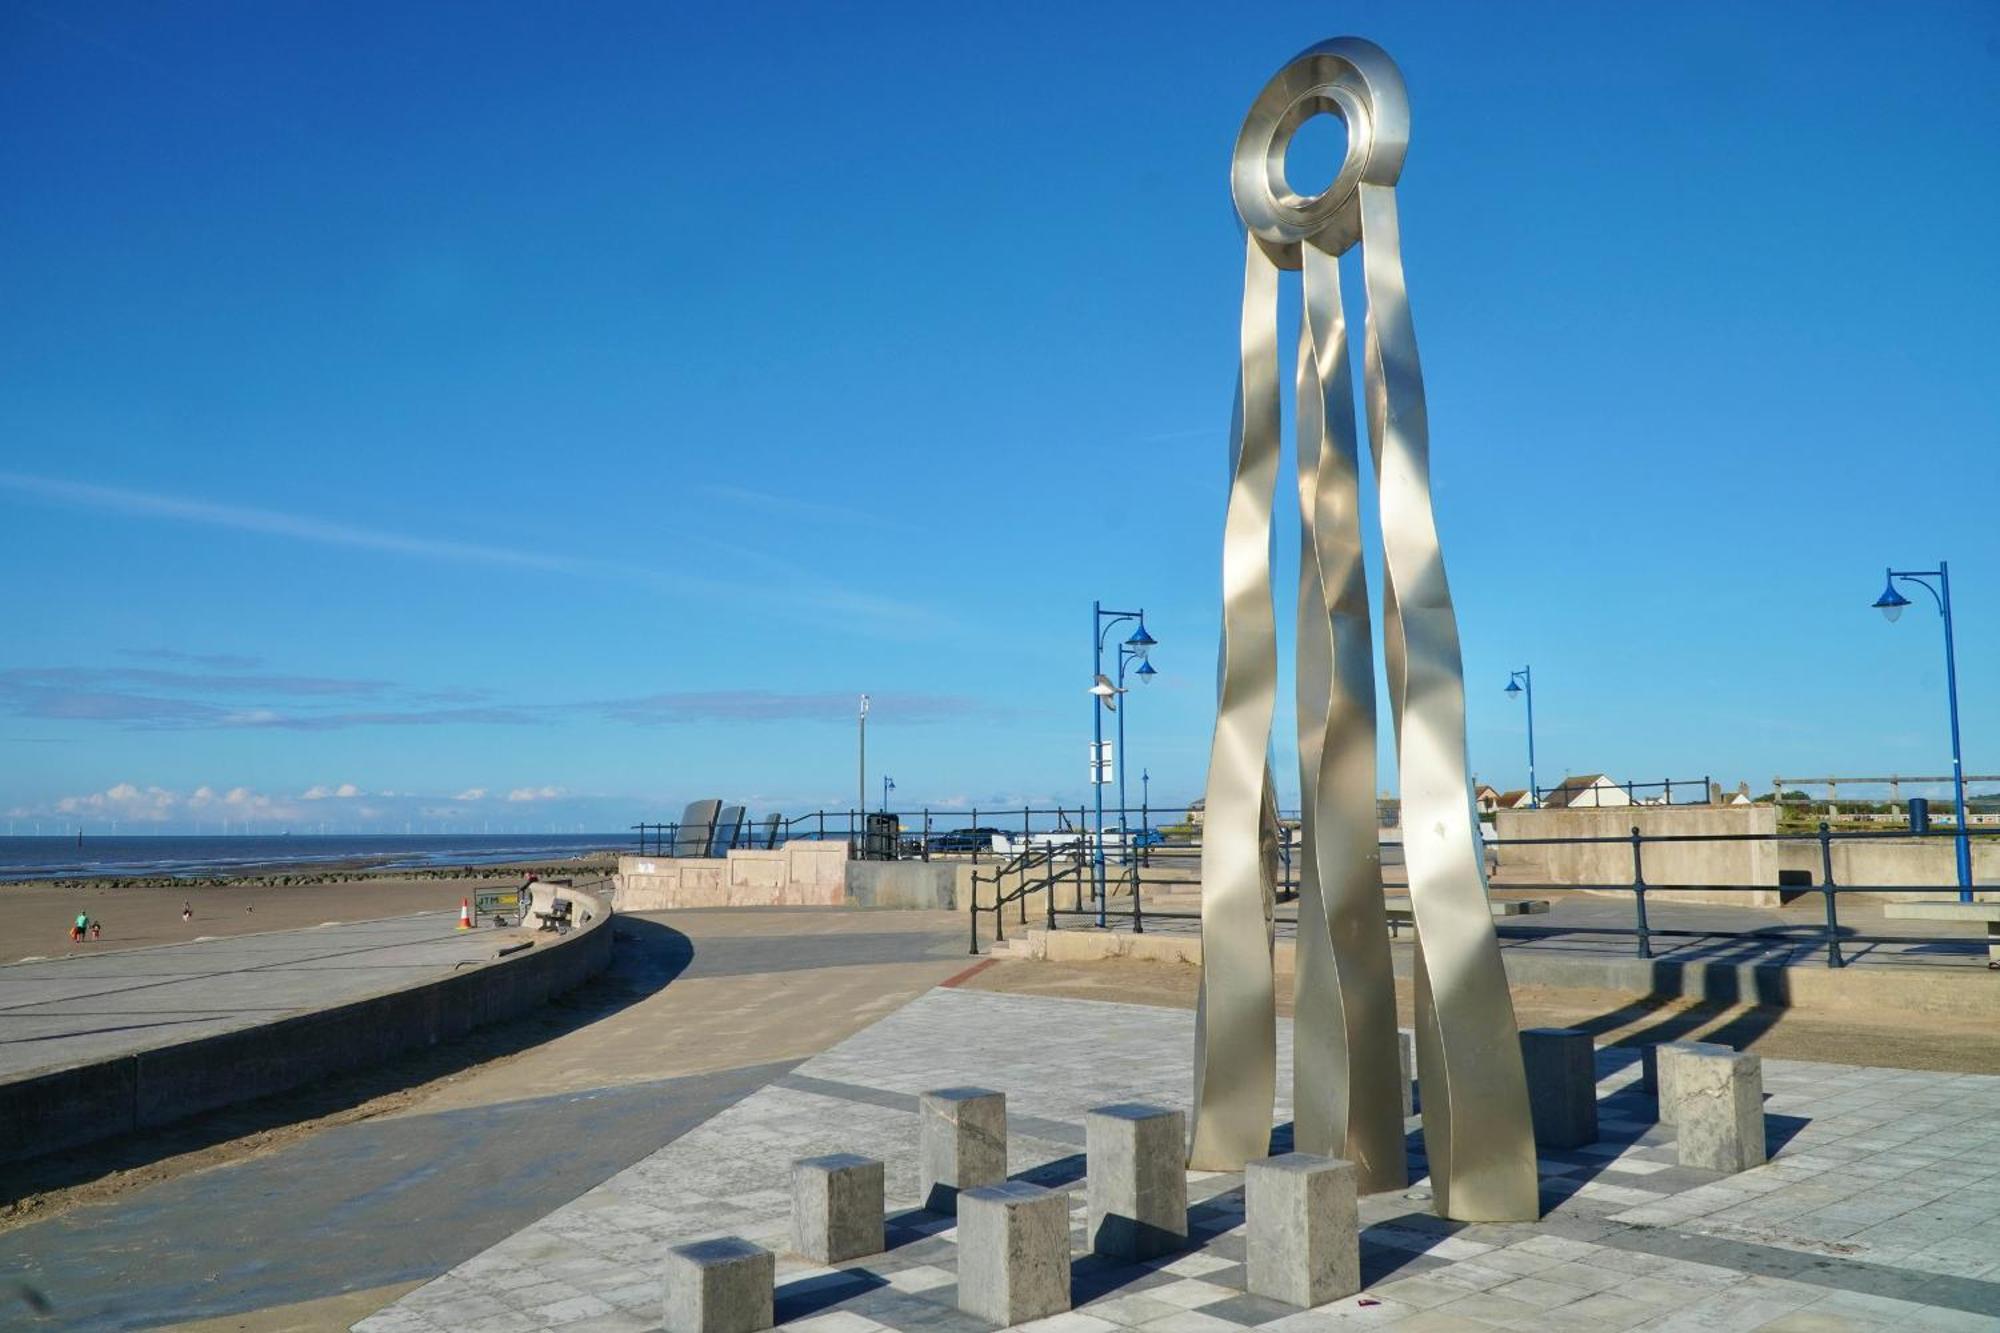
646,958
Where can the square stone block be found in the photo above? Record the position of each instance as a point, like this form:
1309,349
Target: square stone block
1013,1252
719,1286
1137,1180
837,1207
962,1143
1305,1234
1561,1065
1663,1063
1721,1101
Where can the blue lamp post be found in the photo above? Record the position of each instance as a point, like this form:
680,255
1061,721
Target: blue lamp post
1104,697
1132,650
1519,683
1891,604
888,785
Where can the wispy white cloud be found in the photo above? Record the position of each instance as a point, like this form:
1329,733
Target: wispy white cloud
804,587
272,522
521,795
781,706
785,504
216,661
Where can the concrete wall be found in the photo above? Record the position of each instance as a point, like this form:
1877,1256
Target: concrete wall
917,885
66,1107
798,874
1682,870
1862,862
805,873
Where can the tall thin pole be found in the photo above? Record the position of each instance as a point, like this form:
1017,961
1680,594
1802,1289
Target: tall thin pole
1964,847
1118,758
861,780
1534,796
1097,757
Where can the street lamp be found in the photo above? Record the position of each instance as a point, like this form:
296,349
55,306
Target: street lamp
1891,604
1519,683
1105,692
861,780
888,785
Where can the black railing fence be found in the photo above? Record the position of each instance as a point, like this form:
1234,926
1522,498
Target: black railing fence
1578,794
1123,901
976,832
1053,851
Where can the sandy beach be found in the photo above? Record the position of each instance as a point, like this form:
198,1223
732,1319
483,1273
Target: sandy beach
39,913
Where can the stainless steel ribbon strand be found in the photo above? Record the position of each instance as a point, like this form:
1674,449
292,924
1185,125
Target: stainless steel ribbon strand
1475,1093
1235,1066
1476,1125
1345,1063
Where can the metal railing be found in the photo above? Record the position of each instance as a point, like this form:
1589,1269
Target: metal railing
1673,791
1830,937
1040,870
925,832
1643,933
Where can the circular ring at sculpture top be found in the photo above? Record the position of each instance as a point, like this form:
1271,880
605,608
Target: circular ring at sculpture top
1348,77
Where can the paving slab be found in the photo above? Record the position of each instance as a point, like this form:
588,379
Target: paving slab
1627,1239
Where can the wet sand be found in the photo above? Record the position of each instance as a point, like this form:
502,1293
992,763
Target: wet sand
38,915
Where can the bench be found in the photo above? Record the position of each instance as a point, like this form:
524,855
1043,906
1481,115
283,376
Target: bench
1947,909
557,917
1401,913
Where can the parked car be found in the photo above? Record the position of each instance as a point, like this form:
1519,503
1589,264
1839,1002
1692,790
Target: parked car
966,839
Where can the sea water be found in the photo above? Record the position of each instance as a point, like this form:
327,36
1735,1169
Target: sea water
196,856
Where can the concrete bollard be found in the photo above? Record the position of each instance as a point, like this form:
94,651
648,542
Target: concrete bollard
1305,1233
1663,1063
1406,1051
719,1286
837,1210
1013,1252
1721,1109
962,1136
1137,1181
1561,1065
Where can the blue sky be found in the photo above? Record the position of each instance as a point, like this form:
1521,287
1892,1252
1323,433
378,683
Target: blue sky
458,402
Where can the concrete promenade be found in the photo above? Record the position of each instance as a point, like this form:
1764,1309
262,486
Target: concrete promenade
93,1006
1880,1208
320,1228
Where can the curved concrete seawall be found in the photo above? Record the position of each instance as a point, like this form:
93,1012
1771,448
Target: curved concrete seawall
47,1110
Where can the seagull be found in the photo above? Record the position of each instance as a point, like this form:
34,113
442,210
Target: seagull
1106,692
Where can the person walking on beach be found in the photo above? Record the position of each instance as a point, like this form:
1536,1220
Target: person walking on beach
76,931
187,911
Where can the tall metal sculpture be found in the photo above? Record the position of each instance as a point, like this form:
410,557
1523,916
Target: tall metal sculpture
1476,1128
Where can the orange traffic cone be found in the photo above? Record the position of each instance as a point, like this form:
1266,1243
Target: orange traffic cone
465,914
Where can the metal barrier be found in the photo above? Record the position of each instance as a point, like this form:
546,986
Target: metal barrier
1141,872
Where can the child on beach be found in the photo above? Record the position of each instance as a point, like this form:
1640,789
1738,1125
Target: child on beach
187,912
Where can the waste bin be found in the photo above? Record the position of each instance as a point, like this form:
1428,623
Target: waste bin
1920,814
879,842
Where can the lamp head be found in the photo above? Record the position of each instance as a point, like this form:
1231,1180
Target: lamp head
1891,602
1145,673
1513,687
864,705
1141,642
